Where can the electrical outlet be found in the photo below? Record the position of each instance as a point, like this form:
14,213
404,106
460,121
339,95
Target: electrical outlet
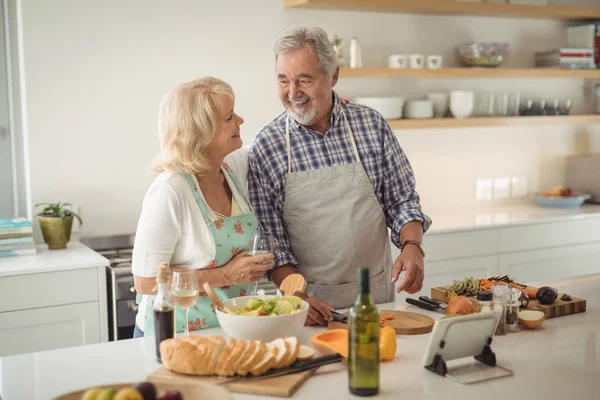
518,187
501,188
483,189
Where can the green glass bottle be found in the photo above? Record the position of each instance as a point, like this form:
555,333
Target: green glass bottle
363,351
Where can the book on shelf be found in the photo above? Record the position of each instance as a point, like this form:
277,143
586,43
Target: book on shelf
16,253
17,243
585,36
15,227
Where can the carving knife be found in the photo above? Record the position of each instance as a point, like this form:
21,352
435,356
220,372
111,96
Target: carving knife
424,305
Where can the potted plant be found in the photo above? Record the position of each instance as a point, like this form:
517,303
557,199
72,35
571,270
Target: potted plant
56,222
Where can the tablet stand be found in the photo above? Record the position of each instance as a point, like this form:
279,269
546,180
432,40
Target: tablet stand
487,356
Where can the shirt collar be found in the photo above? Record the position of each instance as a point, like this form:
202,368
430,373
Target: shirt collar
336,113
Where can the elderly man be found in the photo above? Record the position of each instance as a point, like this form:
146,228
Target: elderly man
328,179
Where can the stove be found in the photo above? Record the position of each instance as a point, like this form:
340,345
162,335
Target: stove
122,308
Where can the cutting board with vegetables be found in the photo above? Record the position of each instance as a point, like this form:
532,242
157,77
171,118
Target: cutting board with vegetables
281,386
404,323
562,305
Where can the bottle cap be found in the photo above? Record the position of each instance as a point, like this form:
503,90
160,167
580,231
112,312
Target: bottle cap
163,273
483,295
363,280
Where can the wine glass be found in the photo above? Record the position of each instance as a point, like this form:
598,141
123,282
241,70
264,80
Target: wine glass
262,243
184,288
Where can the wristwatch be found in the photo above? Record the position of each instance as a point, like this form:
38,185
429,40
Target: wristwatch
414,243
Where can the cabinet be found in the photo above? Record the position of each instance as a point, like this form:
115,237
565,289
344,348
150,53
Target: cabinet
49,328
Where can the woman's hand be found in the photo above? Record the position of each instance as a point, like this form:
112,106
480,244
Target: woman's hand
245,269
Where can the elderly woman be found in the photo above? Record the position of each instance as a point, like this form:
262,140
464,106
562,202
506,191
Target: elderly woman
196,215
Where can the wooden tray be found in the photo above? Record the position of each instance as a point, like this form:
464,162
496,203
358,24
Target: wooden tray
404,323
559,308
188,391
282,386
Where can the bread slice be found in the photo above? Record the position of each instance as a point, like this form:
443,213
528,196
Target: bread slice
219,343
188,355
253,359
246,354
224,357
232,363
294,346
283,352
305,352
267,362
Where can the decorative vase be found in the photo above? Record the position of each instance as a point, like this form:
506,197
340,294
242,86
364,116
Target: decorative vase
56,231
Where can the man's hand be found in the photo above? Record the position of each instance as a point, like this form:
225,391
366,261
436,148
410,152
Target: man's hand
319,312
411,262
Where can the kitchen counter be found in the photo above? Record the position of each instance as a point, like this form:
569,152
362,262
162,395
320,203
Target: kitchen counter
561,360
517,214
75,256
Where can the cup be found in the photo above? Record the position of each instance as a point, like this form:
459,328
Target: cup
434,62
461,104
397,61
440,103
416,61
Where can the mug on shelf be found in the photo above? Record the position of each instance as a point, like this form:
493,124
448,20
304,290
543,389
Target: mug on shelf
398,61
434,62
461,104
416,61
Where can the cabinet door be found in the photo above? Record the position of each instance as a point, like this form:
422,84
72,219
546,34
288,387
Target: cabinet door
442,273
551,264
49,328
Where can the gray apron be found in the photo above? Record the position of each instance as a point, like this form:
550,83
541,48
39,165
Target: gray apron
335,225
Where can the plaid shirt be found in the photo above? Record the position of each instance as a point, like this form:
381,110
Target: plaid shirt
384,161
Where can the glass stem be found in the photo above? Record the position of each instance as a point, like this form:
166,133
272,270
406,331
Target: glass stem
187,324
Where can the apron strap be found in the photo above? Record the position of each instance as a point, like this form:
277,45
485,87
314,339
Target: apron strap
238,186
348,132
196,192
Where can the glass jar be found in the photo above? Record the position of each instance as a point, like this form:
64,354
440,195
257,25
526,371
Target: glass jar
500,295
512,311
484,301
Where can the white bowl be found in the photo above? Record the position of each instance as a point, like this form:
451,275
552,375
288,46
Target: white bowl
388,107
418,109
265,328
461,104
440,102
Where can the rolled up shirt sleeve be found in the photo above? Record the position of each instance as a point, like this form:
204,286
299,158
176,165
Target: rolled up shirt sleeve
399,196
266,190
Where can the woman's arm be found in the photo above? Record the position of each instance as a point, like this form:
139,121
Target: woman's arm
216,277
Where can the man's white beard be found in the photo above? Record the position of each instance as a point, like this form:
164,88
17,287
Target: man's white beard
302,117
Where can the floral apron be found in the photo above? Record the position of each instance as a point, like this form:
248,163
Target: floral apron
231,236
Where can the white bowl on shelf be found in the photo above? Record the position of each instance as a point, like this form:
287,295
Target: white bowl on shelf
461,104
389,107
418,109
265,328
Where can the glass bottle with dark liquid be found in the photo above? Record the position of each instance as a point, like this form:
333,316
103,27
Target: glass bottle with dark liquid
163,308
363,352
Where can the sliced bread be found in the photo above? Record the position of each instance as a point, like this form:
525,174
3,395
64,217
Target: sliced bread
246,354
267,362
253,359
294,346
232,363
225,356
189,355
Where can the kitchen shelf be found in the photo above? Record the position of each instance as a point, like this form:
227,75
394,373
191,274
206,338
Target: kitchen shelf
469,73
440,123
449,7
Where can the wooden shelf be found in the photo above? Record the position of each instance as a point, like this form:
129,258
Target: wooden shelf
469,73
449,7
441,123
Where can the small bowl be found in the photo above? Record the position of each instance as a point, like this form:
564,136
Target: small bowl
531,319
418,109
388,107
486,55
265,328
562,202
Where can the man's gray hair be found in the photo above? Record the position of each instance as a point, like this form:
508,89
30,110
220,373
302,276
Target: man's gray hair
316,39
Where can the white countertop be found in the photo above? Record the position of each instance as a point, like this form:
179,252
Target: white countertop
561,360
75,256
523,213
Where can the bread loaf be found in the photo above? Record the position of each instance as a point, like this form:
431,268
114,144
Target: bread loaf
197,355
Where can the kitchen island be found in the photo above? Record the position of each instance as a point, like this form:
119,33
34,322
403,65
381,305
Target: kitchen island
561,360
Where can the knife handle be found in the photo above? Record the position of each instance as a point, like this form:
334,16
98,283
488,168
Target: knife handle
431,301
339,317
422,304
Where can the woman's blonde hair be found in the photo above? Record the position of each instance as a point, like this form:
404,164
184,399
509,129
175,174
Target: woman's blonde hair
187,122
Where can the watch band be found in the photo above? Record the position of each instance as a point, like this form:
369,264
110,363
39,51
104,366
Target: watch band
414,243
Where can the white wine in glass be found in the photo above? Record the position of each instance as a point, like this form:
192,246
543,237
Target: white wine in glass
263,243
185,291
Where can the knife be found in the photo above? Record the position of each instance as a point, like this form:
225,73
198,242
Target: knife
339,317
431,301
424,305
296,367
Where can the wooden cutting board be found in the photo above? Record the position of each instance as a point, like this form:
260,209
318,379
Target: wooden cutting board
557,309
282,386
404,323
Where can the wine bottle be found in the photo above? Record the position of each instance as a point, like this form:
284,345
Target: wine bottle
163,308
363,343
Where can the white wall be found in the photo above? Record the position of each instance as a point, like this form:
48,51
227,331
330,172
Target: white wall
95,72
